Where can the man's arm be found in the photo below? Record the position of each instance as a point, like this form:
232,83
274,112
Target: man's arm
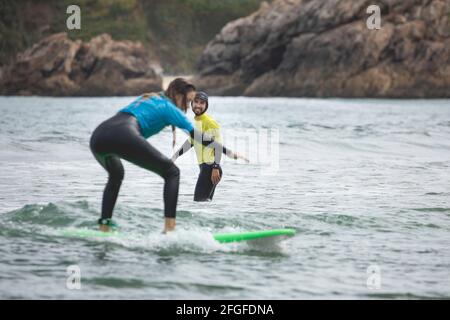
184,148
209,142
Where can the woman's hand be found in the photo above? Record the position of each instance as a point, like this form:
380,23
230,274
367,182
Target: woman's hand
215,176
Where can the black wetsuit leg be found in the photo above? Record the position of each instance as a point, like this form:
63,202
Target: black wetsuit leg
204,189
120,138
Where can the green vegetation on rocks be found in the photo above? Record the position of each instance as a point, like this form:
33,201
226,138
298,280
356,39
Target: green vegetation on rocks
175,32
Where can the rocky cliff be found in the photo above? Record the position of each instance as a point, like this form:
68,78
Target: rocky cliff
174,32
323,48
58,66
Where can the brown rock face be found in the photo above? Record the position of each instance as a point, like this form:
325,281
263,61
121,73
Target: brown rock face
323,48
58,66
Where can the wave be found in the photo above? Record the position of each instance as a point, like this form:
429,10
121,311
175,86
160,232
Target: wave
394,223
405,296
436,209
344,220
140,228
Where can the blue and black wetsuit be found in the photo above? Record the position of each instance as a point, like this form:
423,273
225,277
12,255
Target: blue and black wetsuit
124,137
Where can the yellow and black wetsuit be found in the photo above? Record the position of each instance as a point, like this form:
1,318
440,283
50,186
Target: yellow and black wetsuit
208,159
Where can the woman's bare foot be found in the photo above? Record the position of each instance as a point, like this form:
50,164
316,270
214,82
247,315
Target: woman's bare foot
169,225
104,228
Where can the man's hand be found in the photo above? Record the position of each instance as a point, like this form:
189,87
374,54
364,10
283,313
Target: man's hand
235,156
238,156
215,176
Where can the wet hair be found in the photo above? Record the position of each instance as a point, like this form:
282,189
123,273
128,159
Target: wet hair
179,86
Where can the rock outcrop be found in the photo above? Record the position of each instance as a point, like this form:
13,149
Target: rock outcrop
323,48
58,66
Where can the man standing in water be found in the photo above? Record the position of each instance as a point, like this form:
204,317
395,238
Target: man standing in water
208,158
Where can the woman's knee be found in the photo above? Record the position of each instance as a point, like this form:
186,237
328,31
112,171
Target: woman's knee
117,175
173,172
115,169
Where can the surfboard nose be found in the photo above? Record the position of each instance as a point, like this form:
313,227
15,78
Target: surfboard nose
252,235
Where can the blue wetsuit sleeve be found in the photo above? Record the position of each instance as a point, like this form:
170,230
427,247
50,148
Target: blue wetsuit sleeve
175,117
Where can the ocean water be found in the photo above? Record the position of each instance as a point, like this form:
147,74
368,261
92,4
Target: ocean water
366,184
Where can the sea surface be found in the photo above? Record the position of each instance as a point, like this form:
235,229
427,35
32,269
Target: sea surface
365,183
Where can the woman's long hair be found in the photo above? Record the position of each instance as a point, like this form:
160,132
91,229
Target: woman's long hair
179,86
183,87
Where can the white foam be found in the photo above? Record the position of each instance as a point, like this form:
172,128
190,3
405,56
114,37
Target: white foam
196,239
184,240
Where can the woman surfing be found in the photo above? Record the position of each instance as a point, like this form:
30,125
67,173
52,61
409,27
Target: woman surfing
124,135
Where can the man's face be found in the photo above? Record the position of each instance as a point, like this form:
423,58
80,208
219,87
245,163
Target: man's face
198,106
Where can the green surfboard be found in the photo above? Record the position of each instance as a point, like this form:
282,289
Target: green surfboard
252,235
220,237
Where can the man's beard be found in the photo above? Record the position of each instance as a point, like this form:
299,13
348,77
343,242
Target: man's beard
198,111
